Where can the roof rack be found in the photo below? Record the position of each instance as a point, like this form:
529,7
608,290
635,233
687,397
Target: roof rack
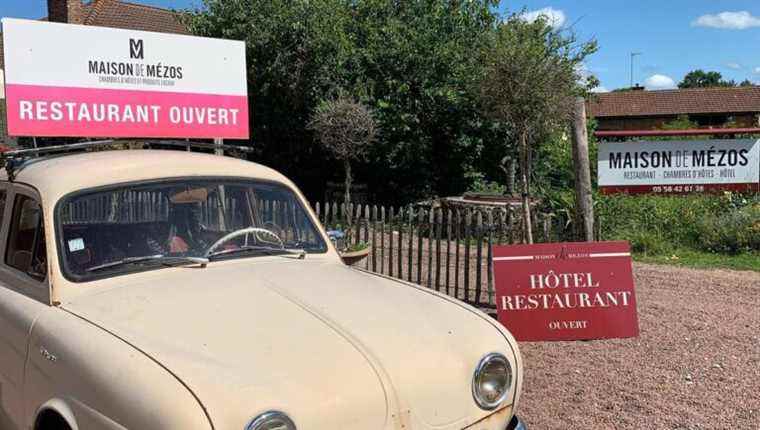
14,159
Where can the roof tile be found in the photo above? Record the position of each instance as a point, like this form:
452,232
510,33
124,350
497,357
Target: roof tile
133,16
675,102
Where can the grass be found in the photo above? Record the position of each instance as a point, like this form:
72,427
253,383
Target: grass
704,260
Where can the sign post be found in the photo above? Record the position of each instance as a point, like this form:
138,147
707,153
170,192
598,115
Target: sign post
128,84
566,291
219,150
585,213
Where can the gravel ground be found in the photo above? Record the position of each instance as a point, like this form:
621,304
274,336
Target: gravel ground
696,364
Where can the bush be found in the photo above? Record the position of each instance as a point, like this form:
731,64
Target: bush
732,232
658,224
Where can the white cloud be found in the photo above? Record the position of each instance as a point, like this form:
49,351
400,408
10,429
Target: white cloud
600,89
554,17
756,70
735,66
659,82
738,20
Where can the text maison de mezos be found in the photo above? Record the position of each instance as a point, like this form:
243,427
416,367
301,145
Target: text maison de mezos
129,114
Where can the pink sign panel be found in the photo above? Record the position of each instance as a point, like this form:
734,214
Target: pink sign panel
83,81
58,111
566,291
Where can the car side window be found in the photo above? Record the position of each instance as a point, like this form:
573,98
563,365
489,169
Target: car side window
26,241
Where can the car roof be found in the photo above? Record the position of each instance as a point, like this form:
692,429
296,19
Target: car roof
57,176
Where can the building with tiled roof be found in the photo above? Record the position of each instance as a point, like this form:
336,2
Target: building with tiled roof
646,110
102,13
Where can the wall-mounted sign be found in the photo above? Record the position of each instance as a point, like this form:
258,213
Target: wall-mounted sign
566,291
72,80
679,166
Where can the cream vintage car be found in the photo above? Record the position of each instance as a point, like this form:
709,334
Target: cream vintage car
164,289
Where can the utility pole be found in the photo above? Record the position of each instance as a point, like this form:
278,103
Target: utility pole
584,205
633,55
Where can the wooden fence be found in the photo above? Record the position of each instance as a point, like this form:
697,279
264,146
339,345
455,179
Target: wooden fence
448,250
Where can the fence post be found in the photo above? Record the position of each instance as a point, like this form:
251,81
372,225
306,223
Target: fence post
366,233
357,219
409,252
448,250
430,249
467,222
457,230
390,242
374,238
490,258
438,228
382,239
420,217
400,255
479,251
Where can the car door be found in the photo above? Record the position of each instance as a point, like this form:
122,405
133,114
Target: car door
24,292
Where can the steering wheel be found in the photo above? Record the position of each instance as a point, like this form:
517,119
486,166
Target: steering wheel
243,232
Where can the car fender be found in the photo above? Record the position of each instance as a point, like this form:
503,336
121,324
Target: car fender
95,380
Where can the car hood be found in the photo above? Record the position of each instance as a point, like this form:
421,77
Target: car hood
305,337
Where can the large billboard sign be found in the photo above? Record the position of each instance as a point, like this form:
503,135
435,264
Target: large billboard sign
679,166
72,80
566,291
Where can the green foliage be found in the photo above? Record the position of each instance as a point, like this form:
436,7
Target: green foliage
412,63
532,74
731,232
479,184
704,260
659,224
681,123
701,79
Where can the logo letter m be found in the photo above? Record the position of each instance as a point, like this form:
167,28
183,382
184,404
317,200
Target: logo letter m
136,49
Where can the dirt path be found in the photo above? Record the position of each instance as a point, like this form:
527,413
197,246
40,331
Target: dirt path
696,364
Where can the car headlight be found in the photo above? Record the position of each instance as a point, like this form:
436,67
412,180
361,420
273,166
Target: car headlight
492,381
272,420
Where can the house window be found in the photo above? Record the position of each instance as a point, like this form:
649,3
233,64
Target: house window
26,242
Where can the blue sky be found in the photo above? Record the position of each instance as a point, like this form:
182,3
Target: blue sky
673,36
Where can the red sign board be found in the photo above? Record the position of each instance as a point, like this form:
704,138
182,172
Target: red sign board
566,291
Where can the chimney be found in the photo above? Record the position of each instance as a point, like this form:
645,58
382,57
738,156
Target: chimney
66,11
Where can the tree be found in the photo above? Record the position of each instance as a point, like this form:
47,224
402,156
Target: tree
346,129
531,75
746,83
411,62
701,79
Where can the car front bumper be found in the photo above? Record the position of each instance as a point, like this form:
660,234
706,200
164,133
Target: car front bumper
516,424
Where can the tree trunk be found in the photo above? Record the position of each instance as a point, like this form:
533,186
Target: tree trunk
525,177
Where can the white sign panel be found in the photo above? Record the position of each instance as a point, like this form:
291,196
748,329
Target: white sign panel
679,166
72,80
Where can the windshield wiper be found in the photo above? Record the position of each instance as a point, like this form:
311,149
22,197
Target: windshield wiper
269,250
163,259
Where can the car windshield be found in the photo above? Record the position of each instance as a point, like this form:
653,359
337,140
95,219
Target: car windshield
145,226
